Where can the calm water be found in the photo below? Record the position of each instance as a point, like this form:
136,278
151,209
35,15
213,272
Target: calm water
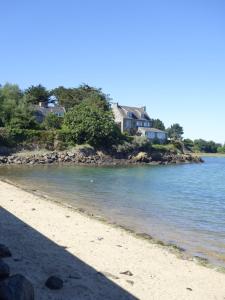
184,204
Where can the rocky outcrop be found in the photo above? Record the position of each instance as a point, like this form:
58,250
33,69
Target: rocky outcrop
141,157
91,157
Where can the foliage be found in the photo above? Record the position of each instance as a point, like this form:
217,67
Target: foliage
92,125
221,149
175,131
52,122
201,145
135,143
165,148
23,118
70,97
188,144
29,138
64,138
10,97
158,124
178,145
16,137
89,120
36,94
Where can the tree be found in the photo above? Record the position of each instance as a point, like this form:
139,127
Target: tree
201,145
158,124
10,92
92,125
70,97
97,101
23,117
36,94
221,149
188,143
10,97
52,121
175,131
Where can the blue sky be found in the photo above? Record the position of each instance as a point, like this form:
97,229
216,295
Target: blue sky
166,54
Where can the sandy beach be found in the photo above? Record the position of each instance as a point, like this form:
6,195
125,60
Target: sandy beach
94,259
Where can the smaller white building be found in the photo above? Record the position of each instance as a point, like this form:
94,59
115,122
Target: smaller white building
153,134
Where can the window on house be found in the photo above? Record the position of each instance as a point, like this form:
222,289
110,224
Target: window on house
128,124
161,135
146,124
139,123
151,134
129,114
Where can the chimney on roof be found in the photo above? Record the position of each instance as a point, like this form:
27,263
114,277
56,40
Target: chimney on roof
144,108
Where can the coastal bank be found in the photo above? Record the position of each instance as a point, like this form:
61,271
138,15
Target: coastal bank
95,260
98,158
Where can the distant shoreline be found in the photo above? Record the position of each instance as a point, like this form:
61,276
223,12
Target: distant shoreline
202,154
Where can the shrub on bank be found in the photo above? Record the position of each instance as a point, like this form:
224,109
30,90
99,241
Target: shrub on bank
134,143
90,124
170,147
26,137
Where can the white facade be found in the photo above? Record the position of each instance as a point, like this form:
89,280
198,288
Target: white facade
153,133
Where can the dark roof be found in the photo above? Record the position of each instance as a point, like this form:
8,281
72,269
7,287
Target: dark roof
136,112
47,110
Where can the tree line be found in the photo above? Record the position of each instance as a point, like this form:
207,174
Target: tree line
200,145
175,132
88,117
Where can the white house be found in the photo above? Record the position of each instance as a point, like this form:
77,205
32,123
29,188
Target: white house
135,120
153,134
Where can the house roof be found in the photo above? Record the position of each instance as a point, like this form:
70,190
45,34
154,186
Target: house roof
137,112
151,129
47,110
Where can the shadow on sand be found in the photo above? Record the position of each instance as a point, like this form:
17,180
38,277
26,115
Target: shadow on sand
81,281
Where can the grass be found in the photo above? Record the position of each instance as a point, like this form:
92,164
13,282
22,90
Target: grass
167,147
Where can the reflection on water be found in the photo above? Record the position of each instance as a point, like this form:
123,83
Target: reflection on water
184,204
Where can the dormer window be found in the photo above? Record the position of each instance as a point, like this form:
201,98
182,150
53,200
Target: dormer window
129,114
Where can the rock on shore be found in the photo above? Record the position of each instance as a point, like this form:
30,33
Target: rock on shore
97,158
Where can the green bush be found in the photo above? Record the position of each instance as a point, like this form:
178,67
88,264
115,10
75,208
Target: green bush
135,143
92,125
27,138
64,138
52,122
165,148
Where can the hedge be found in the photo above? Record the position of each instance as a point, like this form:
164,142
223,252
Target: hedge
29,138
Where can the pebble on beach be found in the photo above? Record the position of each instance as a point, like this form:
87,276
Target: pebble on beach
54,283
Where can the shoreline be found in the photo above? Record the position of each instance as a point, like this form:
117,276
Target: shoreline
109,250
98,158
170,247
202,154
